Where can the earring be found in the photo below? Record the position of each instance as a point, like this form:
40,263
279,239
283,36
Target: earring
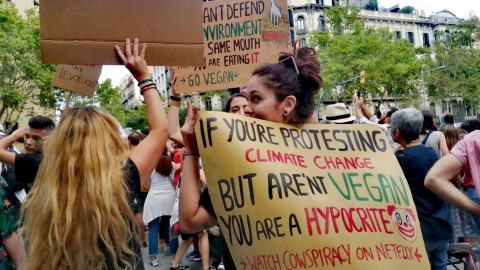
285,113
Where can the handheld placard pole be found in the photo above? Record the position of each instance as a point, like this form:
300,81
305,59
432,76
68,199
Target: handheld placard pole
68,101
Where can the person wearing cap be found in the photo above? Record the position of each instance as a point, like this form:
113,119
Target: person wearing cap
362,113
339,114
33,137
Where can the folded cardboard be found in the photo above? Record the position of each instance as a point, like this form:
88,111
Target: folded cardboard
85,32
81,79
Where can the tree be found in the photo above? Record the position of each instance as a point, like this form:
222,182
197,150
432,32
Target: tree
391,65
461,77
24,80
371,5
407,10
107,97
343,19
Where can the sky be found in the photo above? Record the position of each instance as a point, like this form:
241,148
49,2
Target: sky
460,8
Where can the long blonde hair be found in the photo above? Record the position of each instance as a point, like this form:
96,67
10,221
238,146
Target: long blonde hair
77,213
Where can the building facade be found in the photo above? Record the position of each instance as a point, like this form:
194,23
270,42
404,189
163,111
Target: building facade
421,28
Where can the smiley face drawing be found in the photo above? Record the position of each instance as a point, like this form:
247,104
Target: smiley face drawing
404,222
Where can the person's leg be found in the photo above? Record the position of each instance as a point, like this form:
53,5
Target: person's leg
437,253
164,228
472,194
182,249
215,246
204,249
227,256
195,254
153,227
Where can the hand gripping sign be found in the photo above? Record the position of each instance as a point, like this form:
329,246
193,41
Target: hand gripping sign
315,197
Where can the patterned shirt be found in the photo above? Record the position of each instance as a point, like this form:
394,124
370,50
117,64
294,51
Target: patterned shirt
467,151
9,221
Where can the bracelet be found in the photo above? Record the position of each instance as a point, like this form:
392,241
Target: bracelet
175,98
192,154
174,103
147,88
146,80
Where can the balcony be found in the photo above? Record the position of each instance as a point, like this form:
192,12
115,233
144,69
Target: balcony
301,31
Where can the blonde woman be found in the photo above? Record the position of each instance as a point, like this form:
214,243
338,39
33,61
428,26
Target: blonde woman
78,214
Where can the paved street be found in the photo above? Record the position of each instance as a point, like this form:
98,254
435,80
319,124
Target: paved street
166,261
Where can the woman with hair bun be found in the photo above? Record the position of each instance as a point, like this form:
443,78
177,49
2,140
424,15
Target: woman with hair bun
283,93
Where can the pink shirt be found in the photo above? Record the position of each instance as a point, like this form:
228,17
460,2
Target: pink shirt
468,152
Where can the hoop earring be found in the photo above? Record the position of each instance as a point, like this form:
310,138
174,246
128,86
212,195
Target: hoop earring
285,113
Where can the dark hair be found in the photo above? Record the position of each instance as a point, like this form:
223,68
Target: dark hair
392,110
41,122
452,135
448,119
229,102
134,138
284,80
470,125
164,166
428,123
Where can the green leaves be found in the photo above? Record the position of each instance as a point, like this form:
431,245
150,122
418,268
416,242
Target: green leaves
24,80
461,77
390,64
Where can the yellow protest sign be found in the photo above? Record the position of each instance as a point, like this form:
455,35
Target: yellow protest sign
81,79
315,197
238,37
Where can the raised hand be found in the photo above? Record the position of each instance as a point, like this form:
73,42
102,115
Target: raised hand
188,129
134,62
275,14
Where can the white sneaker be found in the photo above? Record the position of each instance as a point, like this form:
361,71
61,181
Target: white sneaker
154,261
221,266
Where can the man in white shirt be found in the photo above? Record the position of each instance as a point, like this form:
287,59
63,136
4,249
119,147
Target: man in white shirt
364,116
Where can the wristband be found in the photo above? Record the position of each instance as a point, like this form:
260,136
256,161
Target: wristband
192,154
147,88
150,84
146,80
174,98
174,103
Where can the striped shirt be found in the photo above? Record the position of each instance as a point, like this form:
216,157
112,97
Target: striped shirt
468,152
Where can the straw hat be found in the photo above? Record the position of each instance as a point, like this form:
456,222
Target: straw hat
338,114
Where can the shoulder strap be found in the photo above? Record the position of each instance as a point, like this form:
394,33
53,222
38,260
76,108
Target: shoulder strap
425,138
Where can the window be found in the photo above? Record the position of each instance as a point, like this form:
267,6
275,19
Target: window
300,25
438,36
426,40
411,38
321,24
320,2
335,3
398,35
208,104
422,13
302,42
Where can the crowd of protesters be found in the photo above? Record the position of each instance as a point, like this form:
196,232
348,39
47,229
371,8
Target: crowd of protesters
81,196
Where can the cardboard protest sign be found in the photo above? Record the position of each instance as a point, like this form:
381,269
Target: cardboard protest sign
85,32
81,79
238,36
316,197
